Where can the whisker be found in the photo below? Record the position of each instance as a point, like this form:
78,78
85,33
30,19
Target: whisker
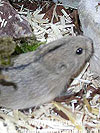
97,47
96,62
96,56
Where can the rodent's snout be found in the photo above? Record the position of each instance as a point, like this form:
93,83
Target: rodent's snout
90,46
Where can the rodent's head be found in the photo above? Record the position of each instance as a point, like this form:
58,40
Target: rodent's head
66,56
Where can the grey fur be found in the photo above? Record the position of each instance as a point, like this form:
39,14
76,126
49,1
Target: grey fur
42,75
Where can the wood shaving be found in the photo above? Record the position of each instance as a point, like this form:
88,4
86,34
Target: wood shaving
43,26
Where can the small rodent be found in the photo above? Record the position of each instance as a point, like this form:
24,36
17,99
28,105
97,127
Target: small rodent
43,75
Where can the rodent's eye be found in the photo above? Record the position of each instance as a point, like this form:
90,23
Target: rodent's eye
79,51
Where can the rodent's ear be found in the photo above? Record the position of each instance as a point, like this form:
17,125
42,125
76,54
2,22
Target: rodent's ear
61,67
47,48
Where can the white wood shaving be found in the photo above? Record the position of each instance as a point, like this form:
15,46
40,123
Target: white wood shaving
21,8
40,25
62,20
88,94
56,31
5,23
3,20
19,17
1,4
1,12
0,19
10,17
68,19
90,114
82,73
54,14
3,129
10,126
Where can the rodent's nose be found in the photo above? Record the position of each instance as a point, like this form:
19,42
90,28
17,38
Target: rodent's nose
89,43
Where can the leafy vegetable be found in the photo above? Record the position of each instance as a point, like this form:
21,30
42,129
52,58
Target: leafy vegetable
25,47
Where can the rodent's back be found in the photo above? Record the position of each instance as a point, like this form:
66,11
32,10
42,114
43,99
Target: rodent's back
42,75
